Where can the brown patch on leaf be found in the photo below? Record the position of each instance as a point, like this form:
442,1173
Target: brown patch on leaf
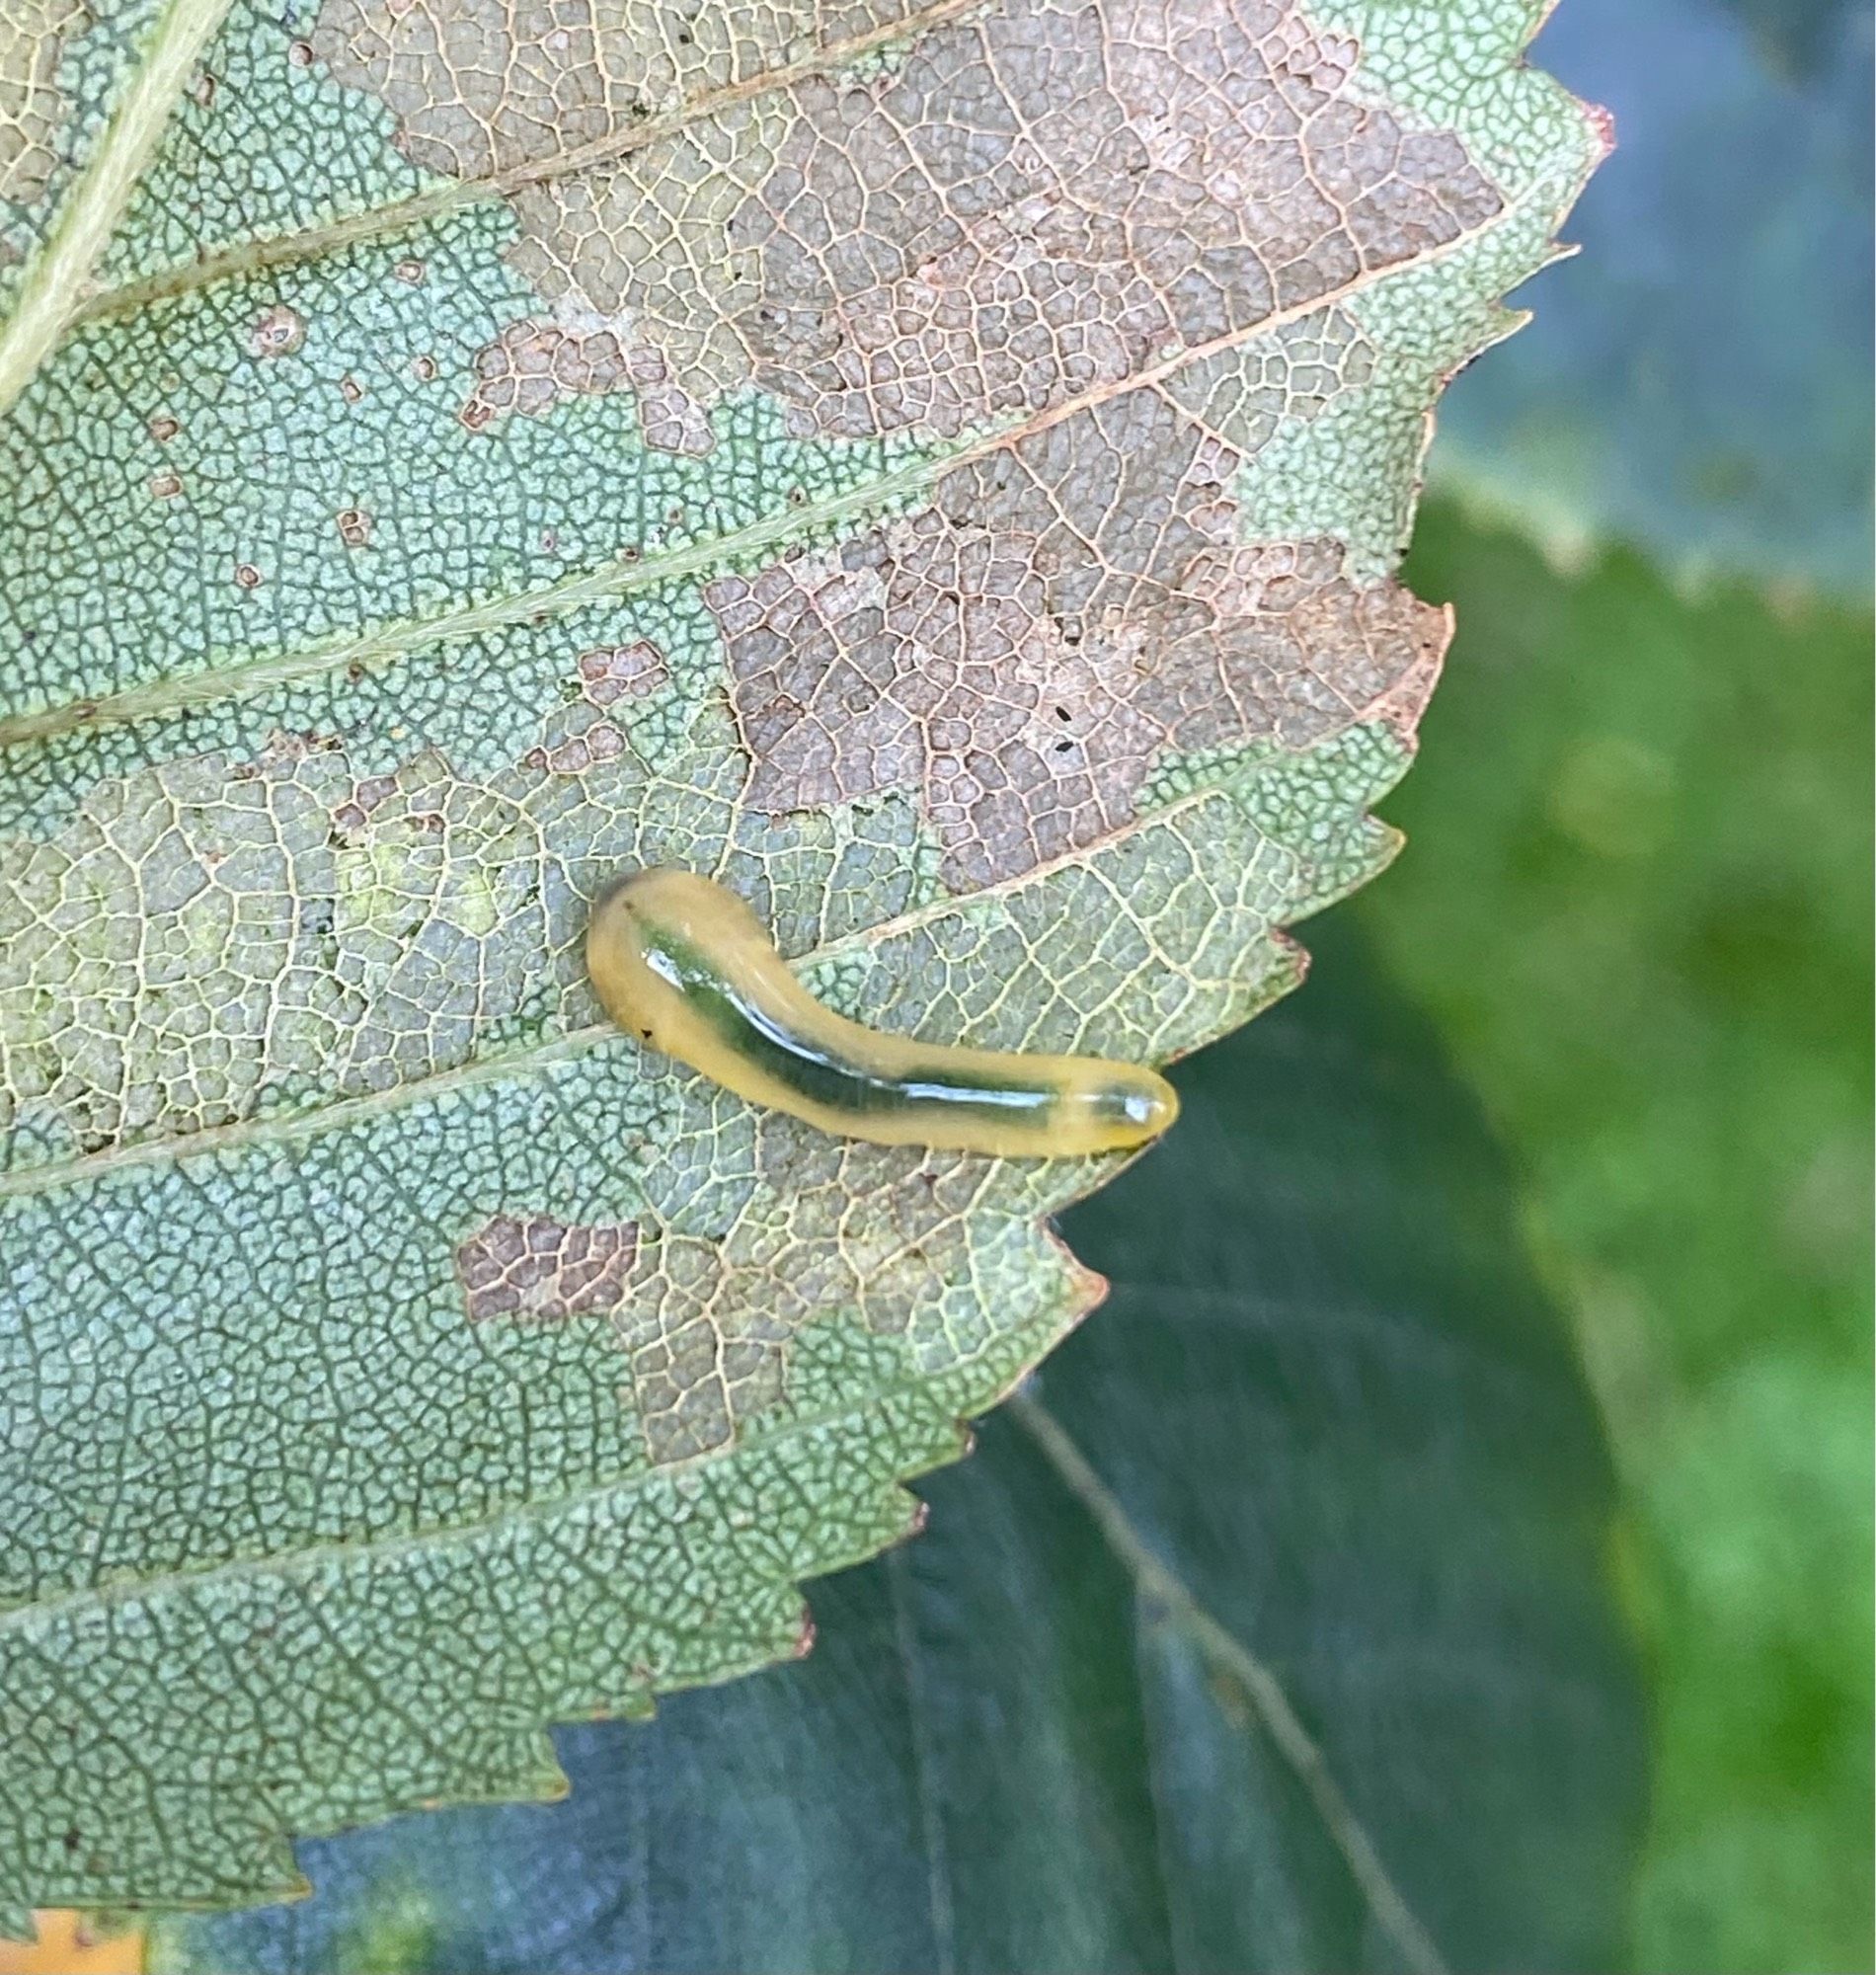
32,106
531,365
540,1270
612,673
355,812
1068,612
1033,204
483,86
598,743
534,364
706,1325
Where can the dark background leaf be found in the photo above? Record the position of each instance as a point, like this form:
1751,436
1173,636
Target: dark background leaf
1328,1399
1636,904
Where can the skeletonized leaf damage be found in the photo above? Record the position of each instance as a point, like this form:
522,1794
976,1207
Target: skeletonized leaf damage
936,468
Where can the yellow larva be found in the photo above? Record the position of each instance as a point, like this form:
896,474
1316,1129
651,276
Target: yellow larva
685,965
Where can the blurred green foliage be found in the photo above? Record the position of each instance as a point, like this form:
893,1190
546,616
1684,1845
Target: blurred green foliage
1637,904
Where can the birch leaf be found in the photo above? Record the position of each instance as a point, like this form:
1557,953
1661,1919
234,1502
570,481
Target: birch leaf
937,468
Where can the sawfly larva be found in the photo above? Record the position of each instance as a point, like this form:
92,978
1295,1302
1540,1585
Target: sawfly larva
685,965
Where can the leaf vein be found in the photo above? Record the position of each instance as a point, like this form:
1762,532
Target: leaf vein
1225,1650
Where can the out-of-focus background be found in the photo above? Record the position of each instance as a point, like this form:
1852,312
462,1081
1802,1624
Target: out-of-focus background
1516,1405
1637,908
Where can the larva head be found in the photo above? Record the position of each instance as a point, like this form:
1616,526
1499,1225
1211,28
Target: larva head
662,899
661,944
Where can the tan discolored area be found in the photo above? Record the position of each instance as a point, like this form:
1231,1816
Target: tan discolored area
535,364
541,1270
706,1343
707,1323
611,673
155,965
209,940
1023,652
33,37
1030,204
480,87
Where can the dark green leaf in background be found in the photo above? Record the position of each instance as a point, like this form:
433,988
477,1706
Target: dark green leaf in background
1637,907
1321,1475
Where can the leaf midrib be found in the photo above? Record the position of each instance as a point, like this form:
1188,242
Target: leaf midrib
1157,1582
89,211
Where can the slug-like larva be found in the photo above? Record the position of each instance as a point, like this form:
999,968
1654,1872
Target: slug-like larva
685,965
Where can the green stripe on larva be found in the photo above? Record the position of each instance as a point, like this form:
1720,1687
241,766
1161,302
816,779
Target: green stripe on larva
684,964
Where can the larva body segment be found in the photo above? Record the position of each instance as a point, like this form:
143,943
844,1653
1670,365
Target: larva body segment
684,964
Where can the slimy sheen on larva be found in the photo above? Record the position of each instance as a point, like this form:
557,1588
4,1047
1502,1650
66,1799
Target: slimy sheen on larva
684,966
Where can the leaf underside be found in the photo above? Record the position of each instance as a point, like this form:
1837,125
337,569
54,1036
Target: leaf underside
938,469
